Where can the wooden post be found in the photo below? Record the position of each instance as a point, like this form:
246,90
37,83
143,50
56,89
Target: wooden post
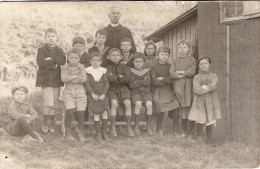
5,74
228,86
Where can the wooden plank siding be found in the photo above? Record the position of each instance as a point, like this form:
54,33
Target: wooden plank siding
187,30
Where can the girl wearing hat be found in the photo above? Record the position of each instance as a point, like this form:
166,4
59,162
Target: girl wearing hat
23,118
97,85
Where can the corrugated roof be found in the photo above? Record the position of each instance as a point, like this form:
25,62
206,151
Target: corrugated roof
155,36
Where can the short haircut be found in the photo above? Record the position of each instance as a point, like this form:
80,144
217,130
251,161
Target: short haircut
101,32
50,30
183,42
115,50
206,58
164,49
139,55
95,54
148,44
126,39
74,52
114,7
78,39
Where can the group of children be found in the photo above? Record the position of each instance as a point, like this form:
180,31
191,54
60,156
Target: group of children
104,79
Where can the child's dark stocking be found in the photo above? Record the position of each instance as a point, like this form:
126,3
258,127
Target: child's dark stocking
68,118
175,114
137,129
45,124
149,124
113,126
104,130
81,119
184,123
130,132
51,123
199,129
209,134
159,130
98,132
191,128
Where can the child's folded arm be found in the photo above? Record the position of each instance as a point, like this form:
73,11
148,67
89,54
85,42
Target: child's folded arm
173,74
33,114
65,76
214,80
59,59
126,79
13,112
82,76
155,81
40,59
111,77
167,80
106,87
192,70
197,89
146,82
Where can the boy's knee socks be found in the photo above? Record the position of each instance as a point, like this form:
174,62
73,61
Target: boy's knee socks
81,119
209,132
191,127
184,125
159,119
199,129
68,118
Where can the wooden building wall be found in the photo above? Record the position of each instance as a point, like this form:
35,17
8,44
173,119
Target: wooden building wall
187,30
245,60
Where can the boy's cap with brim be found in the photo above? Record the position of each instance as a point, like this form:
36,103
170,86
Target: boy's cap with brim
21,87
98,107
78,39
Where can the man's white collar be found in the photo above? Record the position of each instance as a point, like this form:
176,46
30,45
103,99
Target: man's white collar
114,25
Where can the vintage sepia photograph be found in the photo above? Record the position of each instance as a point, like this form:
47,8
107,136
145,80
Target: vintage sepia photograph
129,84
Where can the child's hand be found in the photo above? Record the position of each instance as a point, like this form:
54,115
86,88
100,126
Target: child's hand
48,58
102,97
205,87
111,74
181,76
95,97
27,115
120,76
180,72
159,78
123,62
74,76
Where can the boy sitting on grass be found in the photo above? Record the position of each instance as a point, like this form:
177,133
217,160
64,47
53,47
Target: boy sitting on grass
23,118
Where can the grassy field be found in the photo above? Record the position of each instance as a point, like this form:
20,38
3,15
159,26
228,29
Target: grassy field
122,152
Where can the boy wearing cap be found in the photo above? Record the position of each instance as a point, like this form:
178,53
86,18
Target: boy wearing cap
74,75
50,58
78,44
140,91
23,118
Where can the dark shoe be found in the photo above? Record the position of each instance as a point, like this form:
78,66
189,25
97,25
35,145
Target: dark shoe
68,135
159,132
130,132
81,136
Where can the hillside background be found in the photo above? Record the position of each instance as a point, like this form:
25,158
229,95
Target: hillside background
22,26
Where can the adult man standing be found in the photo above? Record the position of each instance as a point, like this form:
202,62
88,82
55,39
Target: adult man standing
115,31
